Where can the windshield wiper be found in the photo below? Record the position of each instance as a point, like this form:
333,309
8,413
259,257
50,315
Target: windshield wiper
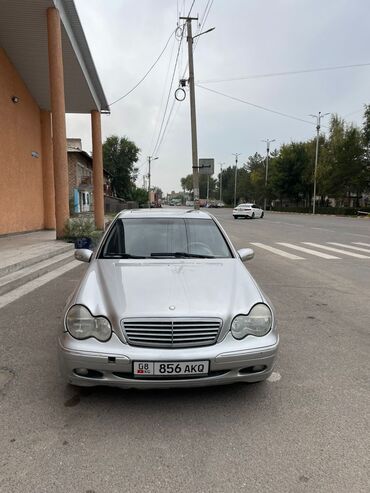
180,255
122,255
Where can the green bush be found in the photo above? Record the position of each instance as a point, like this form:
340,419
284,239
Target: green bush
82,227
78,227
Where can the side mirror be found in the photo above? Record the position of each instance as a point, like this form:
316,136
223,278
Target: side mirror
246,254
83,254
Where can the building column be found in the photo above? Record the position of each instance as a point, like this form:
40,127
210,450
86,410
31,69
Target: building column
47,170
97,169
56,81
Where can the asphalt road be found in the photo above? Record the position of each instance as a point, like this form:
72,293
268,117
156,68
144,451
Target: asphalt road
305,430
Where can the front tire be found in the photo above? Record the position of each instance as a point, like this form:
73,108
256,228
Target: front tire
252,215
235,217
262,214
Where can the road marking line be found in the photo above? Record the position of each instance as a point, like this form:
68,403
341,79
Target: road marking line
278,252
36,283
324,229
307,250
349,246
331,249
359,243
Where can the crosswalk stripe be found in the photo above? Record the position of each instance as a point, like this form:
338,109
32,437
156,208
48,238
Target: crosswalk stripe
331,249
359,243
307,250
277,251
349,246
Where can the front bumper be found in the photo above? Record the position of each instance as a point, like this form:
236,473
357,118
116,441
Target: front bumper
111,363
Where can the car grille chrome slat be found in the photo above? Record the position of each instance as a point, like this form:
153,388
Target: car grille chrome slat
171,333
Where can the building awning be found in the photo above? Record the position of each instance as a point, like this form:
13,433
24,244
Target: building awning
24,37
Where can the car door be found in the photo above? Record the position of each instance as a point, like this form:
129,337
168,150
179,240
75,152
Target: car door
258,211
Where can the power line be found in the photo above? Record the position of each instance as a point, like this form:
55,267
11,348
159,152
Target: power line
256,105
200,27
168,97
191,8
163,94
291,72
147,73
169,120
205,15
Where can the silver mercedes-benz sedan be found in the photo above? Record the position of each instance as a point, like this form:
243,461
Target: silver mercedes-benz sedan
167,302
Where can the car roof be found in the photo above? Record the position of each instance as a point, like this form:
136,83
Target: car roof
246,203
164,213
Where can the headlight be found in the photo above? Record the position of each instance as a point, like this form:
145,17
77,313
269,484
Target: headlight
257,322
81,324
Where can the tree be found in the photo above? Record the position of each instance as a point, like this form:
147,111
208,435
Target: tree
139,195
119,156
344,166
187,185
290,171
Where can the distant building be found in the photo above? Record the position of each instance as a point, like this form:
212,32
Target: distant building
80,178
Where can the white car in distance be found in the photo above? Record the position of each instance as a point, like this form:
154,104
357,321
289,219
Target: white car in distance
249,211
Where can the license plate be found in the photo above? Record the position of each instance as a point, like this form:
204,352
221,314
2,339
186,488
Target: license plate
170,368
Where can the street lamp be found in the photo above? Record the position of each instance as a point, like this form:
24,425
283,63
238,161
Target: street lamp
194,141
268,142
318,125
236,172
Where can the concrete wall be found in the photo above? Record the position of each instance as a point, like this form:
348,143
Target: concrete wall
21,188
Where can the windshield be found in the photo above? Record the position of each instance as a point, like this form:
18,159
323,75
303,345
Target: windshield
165,238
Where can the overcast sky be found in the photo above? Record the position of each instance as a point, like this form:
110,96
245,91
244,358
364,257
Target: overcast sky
252,37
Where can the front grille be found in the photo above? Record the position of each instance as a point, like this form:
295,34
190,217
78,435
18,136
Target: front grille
171,333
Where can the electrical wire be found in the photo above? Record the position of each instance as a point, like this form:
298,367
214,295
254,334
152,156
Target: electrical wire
209,6
256,105
167,123
279,74
169,120
168,97
146,74
191,8
163,95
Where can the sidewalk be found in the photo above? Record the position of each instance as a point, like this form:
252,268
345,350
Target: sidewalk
31,259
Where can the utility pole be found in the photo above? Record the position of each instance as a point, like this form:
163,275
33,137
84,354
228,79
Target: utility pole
150,159
318,126
268,142
221,181
207,188
236,172
194,142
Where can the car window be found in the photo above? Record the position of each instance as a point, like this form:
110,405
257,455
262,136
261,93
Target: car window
205,232
144,237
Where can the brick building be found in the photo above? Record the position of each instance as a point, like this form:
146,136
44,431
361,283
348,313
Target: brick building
46,70
80,178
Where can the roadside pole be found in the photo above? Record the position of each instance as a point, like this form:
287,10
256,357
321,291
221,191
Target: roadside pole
221,181
236,173
150,159
318,126
193,117
268,141
194,143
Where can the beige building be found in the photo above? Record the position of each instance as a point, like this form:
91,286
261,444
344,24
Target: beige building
46,70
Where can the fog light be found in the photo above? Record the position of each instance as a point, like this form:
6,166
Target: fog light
258,368
83,372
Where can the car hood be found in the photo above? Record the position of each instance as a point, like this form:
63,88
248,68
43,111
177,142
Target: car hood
168,288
